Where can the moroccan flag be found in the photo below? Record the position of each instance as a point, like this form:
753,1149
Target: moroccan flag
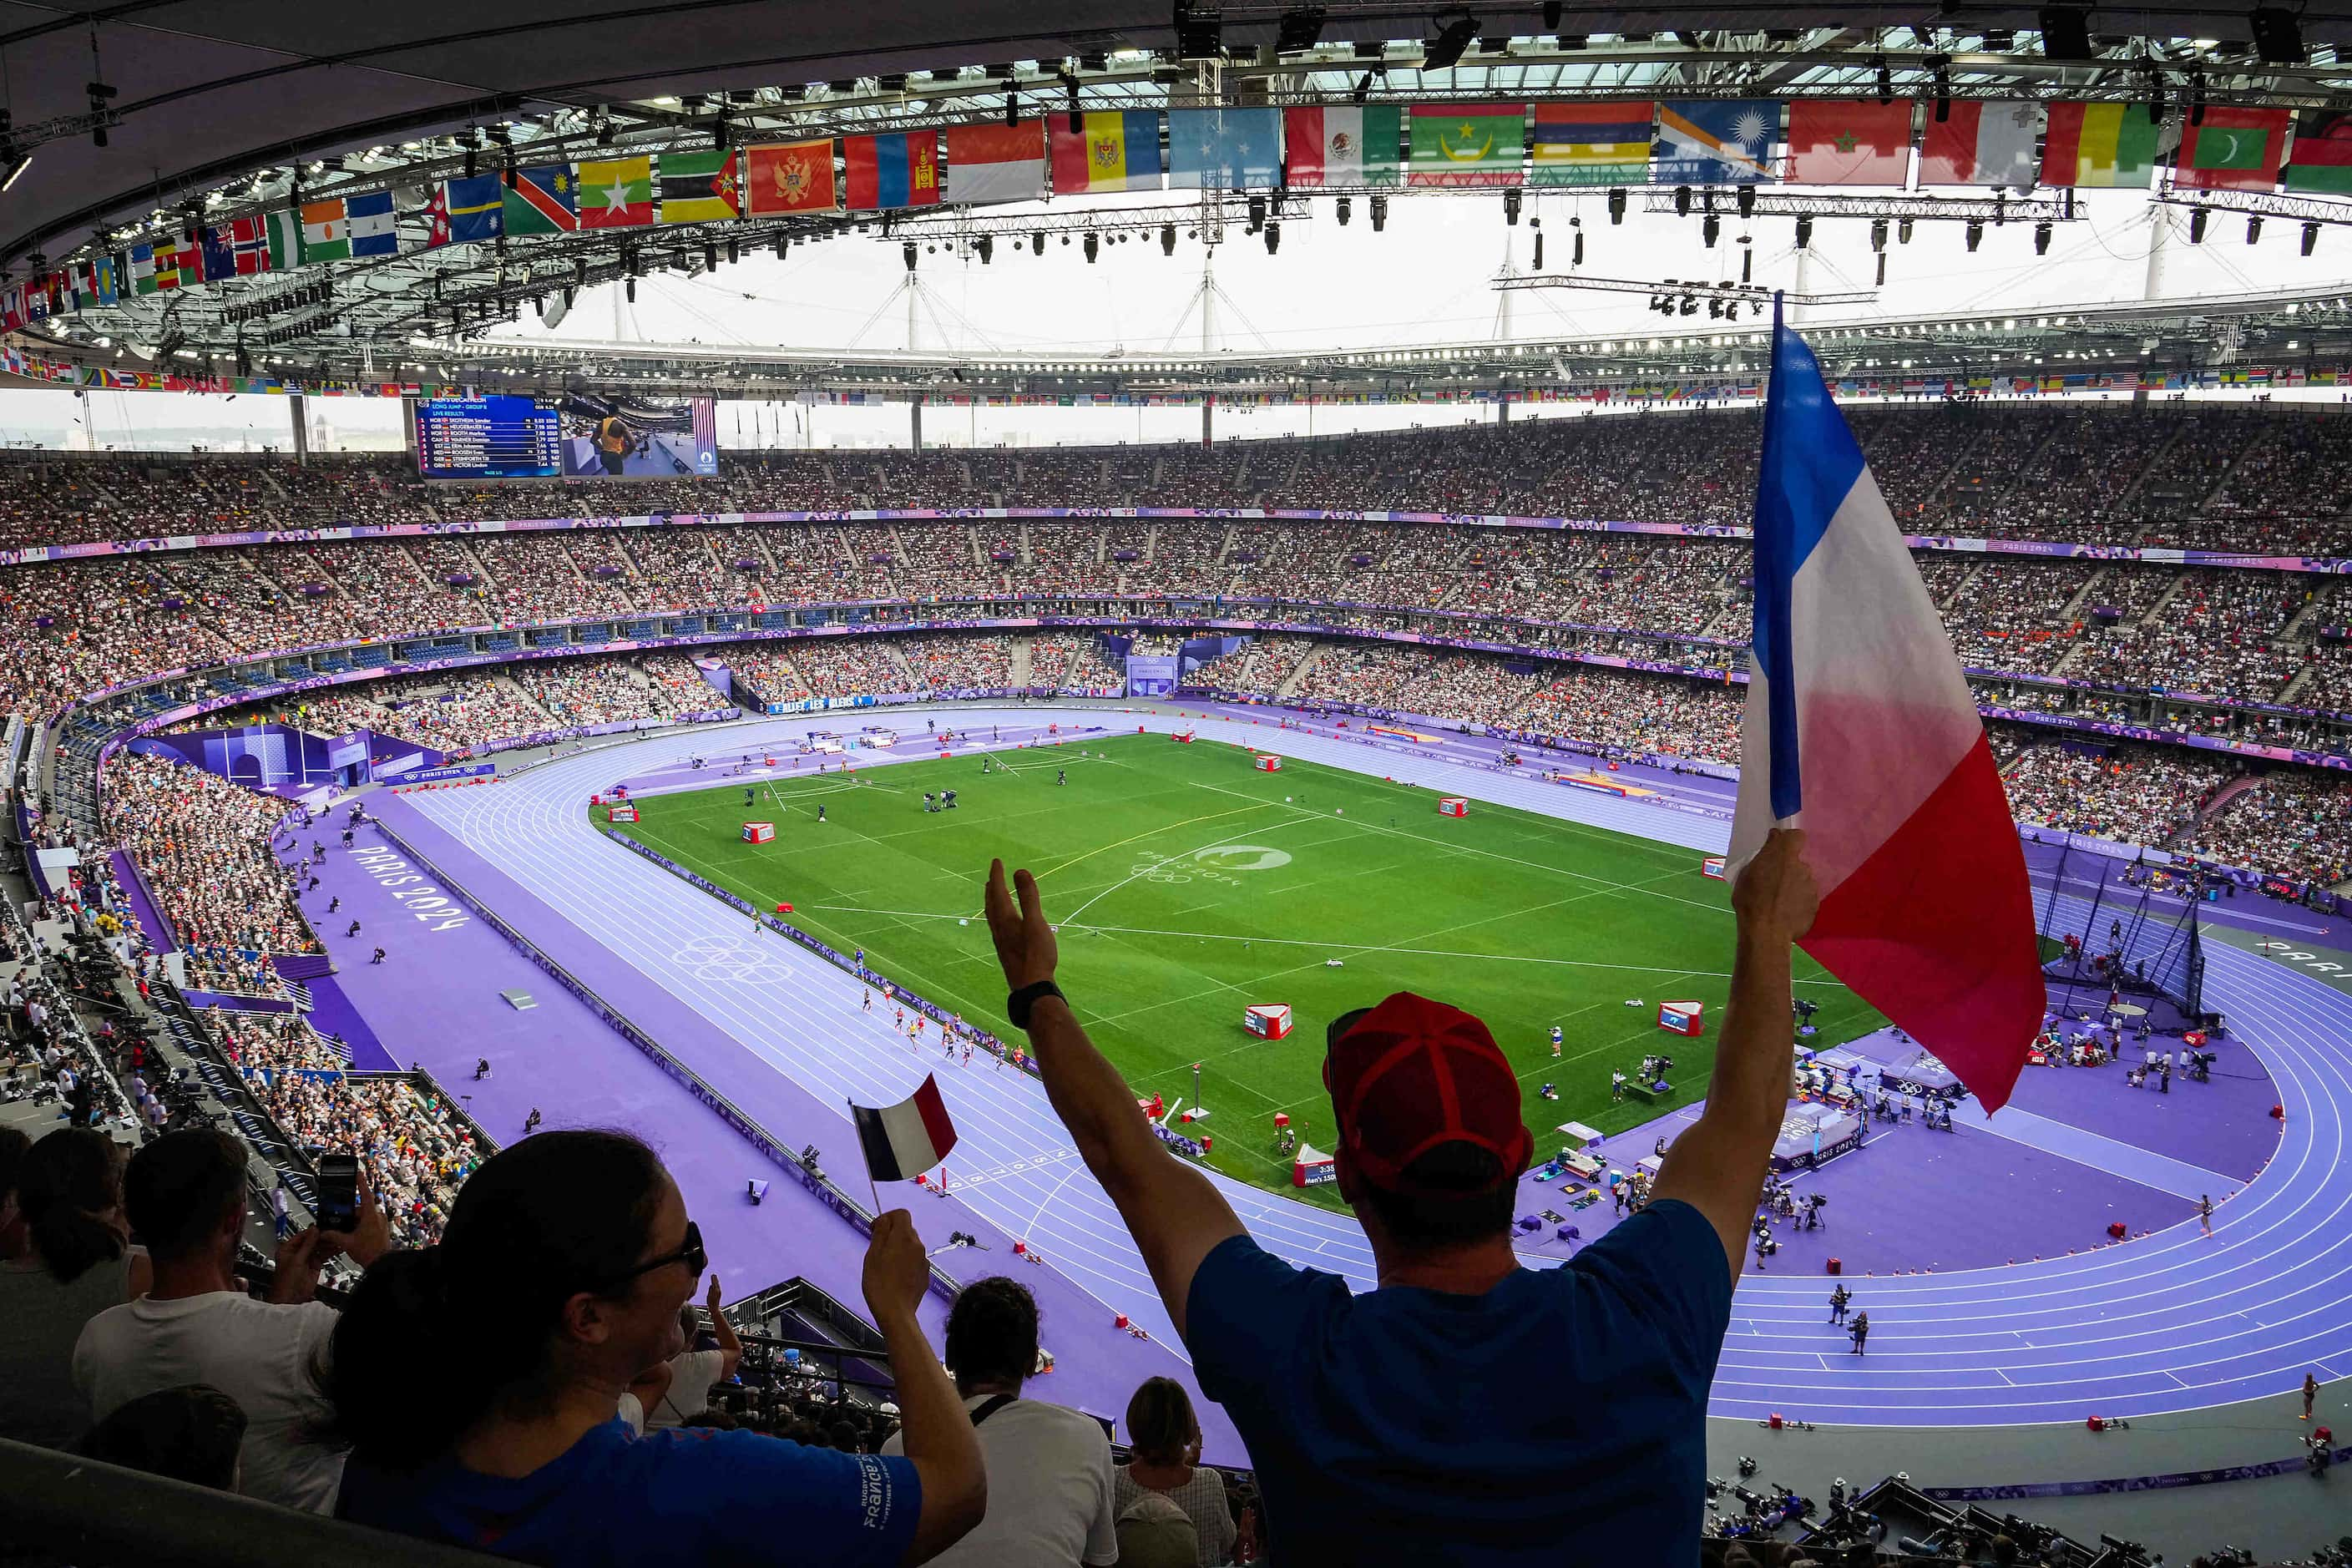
1592,143
700,187
617,192
1344,145
2323,151
789,177
1861,730
1112,150
2235,149
1849,141
996,163
1981,142
542,200
898,169
326,232
463,211
2099,146
1467,145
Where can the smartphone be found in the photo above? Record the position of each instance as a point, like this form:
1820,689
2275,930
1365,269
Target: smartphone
339,1192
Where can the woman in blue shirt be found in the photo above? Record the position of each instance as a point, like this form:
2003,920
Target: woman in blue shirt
480,1381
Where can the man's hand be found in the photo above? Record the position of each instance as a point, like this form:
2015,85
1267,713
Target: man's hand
711,1302
1776,897
897,1272
299,1257
1025,944
367,1240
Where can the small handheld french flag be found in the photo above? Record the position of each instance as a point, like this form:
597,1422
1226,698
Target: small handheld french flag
1860,729
905,1139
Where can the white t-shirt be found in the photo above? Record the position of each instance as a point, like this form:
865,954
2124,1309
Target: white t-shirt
691,1374
1049,1491
260,1354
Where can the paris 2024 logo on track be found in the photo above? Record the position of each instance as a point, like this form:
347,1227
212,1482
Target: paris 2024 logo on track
1215,864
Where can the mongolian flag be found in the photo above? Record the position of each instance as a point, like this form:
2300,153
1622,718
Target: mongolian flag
898,169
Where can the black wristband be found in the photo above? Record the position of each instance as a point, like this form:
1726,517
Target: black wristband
1017,1004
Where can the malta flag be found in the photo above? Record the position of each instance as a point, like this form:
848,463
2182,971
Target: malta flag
905,1139
1861,731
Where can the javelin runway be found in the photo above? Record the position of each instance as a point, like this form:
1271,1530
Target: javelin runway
2171,1321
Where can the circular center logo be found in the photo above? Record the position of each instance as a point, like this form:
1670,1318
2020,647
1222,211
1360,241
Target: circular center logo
1242,858
728,958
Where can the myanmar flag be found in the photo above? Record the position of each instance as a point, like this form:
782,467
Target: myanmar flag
1467,145
617,192
2323,151
700,187
2234,149
2099,145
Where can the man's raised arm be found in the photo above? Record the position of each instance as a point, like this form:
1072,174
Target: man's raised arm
1174,1213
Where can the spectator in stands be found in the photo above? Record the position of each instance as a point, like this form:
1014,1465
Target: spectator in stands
187,1197
78,1263
1467,1408
558,1281
691,1371
1049,1486
1164,1439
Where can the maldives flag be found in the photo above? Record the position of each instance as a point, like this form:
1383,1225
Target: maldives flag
1982,142
2323,151
2234,149
899,170
1849,141
902,1141
1861,730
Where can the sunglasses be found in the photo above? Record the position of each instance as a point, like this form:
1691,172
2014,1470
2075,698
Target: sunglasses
691,1255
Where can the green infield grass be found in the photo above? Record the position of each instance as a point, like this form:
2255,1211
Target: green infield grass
1188,885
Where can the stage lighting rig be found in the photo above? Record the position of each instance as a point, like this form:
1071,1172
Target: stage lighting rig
1804,231
2254,229
2196,217
1300,30
1709,228
1380,206
1617,203
2310,237
1454,38
1345,206
1200,30
2042,239
1272,238
1511,200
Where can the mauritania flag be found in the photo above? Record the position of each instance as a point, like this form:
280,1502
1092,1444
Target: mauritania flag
905,1139
2099,145
1341,145
700,187
1717,141
1861,731
1592,143
543,200
1468,144
1224,149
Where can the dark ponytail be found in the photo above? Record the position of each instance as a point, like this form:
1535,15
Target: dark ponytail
475,1315
70,1188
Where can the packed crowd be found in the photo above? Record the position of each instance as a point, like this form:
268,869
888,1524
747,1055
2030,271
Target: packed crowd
2137,794
415,1151
580,693
453,713
2292,823
204,844
1075,662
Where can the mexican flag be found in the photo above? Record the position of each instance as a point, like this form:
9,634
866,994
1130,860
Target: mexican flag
2099,145
1336,145
1468,144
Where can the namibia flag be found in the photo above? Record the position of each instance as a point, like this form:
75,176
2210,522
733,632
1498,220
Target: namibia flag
544,200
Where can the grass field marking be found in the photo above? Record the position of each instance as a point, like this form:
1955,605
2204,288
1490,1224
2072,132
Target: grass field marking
1148,832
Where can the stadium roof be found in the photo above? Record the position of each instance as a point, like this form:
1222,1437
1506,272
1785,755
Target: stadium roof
228,108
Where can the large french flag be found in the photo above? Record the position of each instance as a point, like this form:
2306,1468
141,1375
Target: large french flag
1860,729
903,1141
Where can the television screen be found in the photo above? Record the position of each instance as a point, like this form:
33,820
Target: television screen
493,438
628,436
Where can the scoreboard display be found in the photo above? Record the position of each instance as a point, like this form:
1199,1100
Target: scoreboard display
496,437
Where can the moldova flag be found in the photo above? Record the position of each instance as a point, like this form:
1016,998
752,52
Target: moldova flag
1861,730
1112,150
902,1141
900,170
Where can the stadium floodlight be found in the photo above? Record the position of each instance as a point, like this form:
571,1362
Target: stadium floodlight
1511,202
1445,51
1903,231
2066,32
1747,202
1681,201
2310,237
907,254
1256,214
1038,242
2278,38
986,246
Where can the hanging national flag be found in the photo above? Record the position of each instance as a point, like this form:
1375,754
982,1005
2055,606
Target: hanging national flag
250,237
1981,142
1467,145
1592,143
617,192
173,261
372,228
1849,141
12,307
465,212
903,1141
542,200
2234,149
285,240
996,163
899,170
1112,150
700,187
1715,142
106,278
1224,149
2323,151
789,177
2099,146
326,232
216,251
1861,730
1344,145
143,270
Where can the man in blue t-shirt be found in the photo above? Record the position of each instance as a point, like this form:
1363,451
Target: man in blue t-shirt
1467,1409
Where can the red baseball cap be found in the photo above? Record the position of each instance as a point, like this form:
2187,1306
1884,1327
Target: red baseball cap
1412,1074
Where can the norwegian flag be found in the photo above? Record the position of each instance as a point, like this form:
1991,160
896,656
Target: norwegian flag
250,239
